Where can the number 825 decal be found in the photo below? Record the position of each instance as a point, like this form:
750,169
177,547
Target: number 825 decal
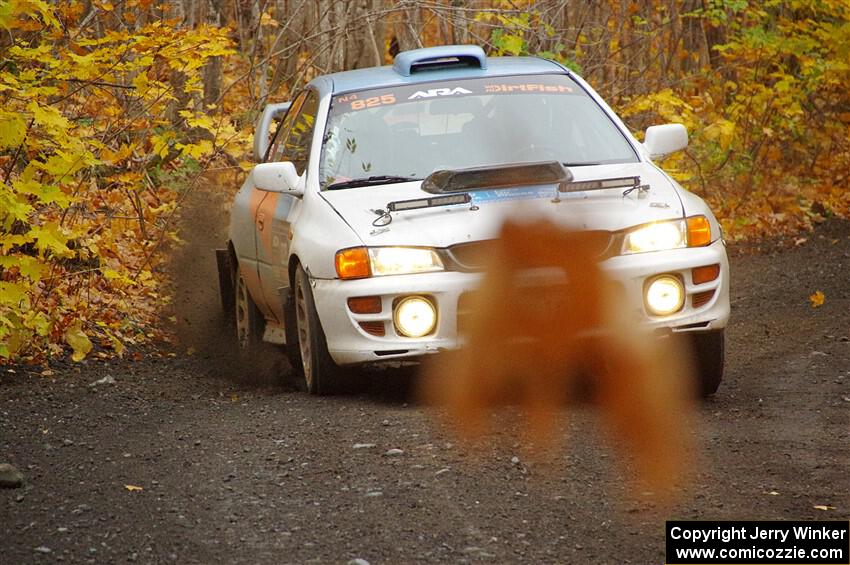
373,102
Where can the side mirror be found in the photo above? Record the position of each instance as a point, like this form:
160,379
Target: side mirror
278,177
263,130
666,139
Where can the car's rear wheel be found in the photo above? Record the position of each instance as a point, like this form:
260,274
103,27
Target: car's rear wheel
248,318
321,374
709,360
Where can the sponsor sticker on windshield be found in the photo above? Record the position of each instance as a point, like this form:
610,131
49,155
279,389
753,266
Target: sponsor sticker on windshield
527,87
510,85
432,92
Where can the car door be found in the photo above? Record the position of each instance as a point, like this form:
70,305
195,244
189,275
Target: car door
274,214
243,222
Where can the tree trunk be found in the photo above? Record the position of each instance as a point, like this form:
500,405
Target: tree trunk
213,69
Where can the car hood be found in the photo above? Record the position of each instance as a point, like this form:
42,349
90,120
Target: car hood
443,226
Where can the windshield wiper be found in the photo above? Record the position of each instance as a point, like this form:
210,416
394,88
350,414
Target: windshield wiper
369,181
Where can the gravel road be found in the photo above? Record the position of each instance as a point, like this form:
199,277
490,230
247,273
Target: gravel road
238,470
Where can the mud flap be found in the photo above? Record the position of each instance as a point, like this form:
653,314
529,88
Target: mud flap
290,325
287,299
225,280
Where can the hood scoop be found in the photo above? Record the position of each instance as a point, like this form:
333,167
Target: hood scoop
492,177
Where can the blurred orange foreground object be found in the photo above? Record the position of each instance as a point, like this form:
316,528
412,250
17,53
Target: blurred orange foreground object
546,312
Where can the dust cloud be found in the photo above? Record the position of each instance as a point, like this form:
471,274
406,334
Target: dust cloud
202,328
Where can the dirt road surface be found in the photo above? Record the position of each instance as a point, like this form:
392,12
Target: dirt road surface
235,470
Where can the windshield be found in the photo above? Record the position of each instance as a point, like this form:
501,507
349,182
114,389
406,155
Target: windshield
408,132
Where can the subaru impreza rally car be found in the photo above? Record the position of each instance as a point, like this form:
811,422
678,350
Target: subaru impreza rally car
359,236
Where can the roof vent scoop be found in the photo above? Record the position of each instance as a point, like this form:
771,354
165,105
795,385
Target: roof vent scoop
445,57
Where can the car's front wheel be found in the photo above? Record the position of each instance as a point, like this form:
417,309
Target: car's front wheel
321,374
709,360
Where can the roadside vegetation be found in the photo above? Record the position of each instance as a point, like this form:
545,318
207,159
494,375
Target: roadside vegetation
112,112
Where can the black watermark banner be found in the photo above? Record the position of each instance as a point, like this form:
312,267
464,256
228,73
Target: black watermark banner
758,543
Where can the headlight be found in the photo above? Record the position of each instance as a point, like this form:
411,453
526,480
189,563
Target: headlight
655,237
403,260
691,232
359,262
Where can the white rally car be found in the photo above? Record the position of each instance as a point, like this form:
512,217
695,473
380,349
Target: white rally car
359,236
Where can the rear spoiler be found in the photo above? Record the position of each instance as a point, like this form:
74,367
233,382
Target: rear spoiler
262,132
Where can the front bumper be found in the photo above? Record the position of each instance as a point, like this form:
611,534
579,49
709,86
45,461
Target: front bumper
706,305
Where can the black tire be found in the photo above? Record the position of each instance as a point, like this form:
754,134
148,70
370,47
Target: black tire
248,320
321,374
709,360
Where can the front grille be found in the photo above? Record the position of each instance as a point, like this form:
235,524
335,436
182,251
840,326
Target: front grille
473,256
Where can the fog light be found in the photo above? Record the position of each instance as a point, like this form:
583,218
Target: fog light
415,316
664,296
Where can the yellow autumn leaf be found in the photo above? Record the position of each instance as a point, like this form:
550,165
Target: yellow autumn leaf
133,488
117,345
38,322
823,507
9,240
49,237
194,120
13,207
48,116
27,265
13,129
10,11
160,143
267,20
195,150
817,299
117,278
114,157
722,131
12,294
78,340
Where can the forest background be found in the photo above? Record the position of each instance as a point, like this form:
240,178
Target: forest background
112,112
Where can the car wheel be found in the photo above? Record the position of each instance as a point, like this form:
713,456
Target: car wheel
320,372
709,360
248,318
